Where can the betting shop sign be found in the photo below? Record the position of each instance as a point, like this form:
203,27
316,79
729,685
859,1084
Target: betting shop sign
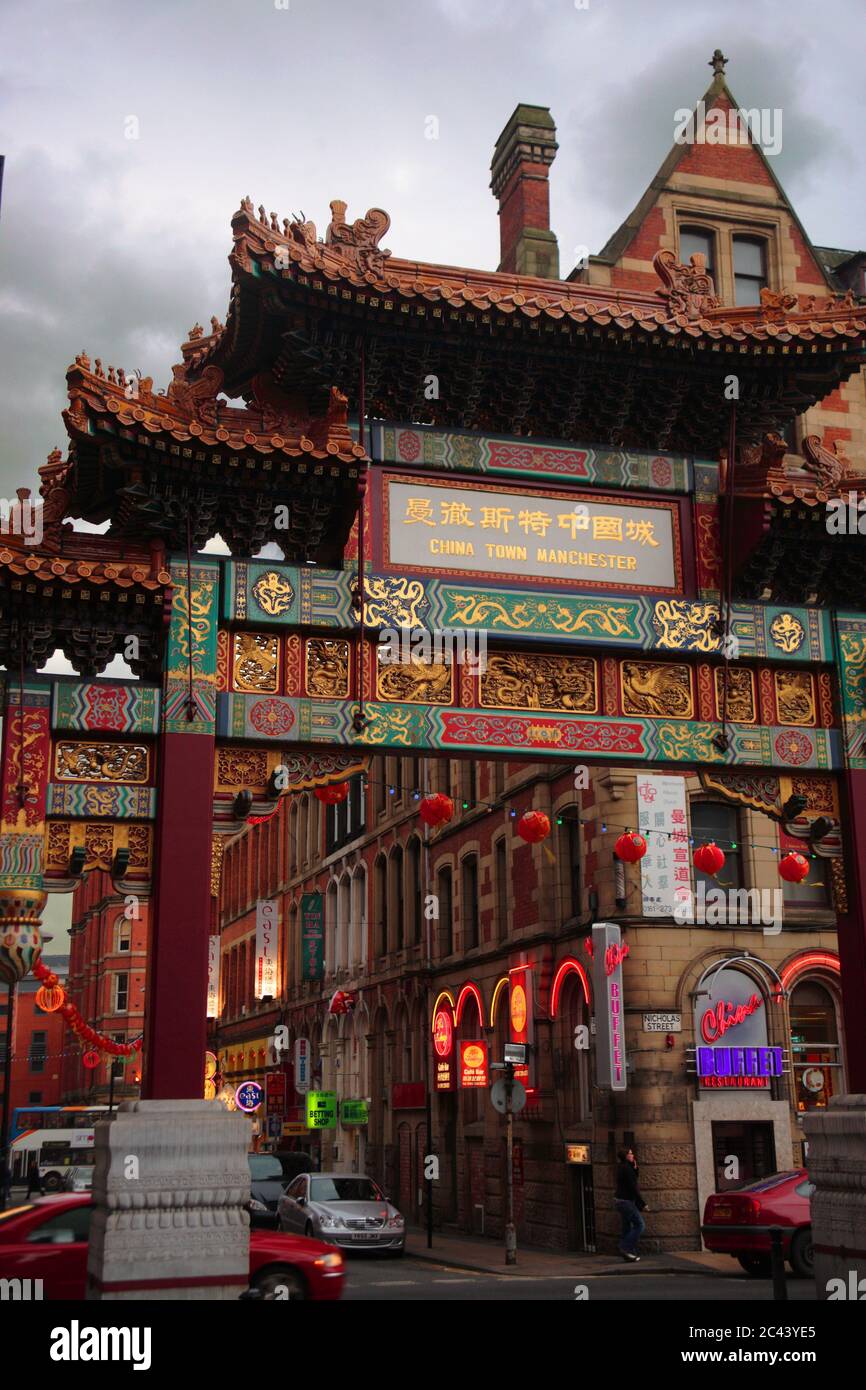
474,530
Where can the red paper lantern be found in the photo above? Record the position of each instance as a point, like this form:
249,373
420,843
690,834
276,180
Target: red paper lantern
50,998
794,868
630,847
533,827
333,795
709,858
436,809
91,1059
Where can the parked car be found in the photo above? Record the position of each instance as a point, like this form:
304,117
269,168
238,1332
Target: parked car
345,1209
47,1239
267,1185
738,1223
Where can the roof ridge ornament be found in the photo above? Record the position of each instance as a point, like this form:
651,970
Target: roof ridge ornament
717,63
360,240
688,288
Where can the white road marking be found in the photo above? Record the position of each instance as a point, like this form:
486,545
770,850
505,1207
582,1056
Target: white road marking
390,1283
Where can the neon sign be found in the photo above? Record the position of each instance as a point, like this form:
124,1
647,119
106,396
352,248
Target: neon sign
716,1021
614,957
442,1033
739,1066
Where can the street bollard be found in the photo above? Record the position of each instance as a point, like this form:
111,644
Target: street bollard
777,1265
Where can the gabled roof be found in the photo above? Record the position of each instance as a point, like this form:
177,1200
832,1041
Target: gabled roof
718,94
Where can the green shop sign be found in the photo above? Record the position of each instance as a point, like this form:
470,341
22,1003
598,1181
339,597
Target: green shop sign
321,1110
354,1112
312,936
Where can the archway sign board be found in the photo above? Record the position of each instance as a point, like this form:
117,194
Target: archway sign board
583,589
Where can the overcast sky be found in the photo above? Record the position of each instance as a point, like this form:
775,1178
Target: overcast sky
119,245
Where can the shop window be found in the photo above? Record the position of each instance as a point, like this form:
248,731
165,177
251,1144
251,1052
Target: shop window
715,820
698,241
569,866
750,269
815,1051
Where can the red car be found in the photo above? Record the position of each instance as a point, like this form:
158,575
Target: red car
738,1223
47,1240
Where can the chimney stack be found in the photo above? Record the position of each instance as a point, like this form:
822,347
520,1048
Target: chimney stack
523,154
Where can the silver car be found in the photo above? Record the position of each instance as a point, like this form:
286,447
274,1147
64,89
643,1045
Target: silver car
344,1209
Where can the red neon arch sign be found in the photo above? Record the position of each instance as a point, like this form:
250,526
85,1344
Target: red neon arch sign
568,966
469,990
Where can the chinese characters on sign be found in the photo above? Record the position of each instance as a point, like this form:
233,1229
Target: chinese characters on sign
556,537
302,1065
266,947
312,936
213,976
473,1064
443,1048
665,876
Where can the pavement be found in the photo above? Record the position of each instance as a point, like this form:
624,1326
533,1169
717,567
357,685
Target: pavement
488,1257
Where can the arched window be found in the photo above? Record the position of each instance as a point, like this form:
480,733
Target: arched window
343,917
414,890
331,906
503,917
815,1051
469,903
445,890
293,840
395,899
380,906
293,950
358,926
750,269
568,836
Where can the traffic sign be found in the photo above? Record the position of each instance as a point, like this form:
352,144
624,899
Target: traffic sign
498,1094
515,1052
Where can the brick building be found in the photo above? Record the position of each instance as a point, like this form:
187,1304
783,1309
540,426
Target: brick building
107,973
38,1044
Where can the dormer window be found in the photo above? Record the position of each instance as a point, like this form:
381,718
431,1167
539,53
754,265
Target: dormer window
750,269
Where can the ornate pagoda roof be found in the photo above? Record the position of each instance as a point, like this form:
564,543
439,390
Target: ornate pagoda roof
517,354
148,459
795,530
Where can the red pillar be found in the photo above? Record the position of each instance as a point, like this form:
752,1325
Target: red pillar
175,1026
852,927
176,1009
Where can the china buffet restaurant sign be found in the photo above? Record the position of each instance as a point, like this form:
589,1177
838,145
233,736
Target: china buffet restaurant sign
481,531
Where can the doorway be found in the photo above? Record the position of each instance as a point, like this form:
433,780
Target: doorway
581,1208
751,1144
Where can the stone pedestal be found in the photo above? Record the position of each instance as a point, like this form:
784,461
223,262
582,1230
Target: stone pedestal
170,1192
837,1166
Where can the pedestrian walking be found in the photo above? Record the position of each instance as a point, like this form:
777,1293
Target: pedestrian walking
630,1204
33,1180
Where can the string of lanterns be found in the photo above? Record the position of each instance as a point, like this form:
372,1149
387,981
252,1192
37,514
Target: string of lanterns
51,998
534,826
708,858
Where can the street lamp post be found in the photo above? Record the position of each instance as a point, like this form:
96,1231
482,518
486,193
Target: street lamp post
510,1231
5,1164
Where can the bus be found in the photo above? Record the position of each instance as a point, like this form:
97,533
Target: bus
55,1127
63,1167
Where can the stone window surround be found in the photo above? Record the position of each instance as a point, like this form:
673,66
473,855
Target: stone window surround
724,226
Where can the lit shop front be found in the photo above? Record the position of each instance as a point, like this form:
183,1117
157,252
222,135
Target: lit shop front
741,1062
